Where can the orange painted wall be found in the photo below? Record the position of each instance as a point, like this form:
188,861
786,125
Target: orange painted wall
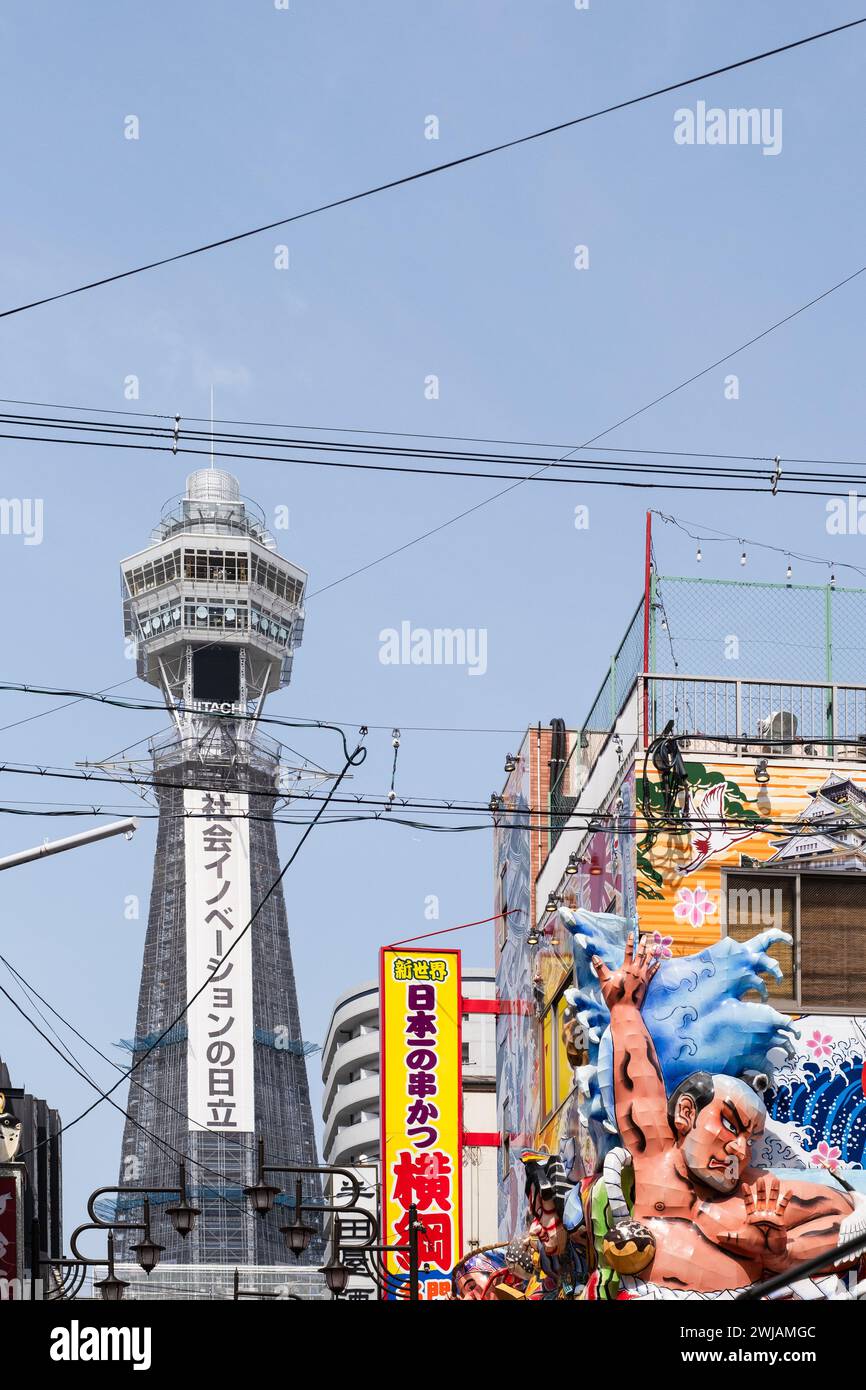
787,796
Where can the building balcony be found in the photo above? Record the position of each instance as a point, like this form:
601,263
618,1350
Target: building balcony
349,1143
361,1053
357,1008
355,1098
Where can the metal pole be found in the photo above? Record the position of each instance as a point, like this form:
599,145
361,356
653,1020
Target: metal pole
35,1239
102,832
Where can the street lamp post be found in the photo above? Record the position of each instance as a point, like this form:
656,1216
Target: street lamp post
379,1273
262,1195
86,837
147,1251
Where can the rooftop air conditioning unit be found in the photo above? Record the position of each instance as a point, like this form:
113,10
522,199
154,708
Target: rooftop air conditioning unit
781,727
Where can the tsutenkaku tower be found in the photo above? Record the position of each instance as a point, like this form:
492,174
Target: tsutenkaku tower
216,616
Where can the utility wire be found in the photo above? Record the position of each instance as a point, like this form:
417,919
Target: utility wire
611,821
413,434
33,994
434,169
618,469
494,497
353,759
409,434
539,475
167,1149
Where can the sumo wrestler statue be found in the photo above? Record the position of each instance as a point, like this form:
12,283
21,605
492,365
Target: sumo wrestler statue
718,1224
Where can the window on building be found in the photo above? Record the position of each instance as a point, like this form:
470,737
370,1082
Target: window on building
466,1057
825,968
502,924
505,1145
557,1074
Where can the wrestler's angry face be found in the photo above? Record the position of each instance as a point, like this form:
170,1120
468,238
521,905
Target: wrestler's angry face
716,1139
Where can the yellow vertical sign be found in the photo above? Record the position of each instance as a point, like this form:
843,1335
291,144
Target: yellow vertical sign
420,1001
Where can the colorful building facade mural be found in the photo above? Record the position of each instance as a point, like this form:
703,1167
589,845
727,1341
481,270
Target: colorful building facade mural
717,1066
517,1072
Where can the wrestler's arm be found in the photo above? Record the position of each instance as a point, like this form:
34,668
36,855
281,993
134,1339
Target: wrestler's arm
784,1225
813,1217
639,1089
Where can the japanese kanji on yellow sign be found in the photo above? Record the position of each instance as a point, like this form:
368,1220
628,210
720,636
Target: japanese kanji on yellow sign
421,1011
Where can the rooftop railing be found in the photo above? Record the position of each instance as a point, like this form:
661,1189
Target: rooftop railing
793,653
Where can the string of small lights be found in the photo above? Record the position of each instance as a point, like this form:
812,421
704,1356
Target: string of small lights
708,535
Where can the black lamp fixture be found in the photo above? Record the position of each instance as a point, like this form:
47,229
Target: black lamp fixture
183,1216
495,803
532,938
335,1272
147,1252
510,762
261,1194
573,865
297,1235
111,1288
762,775
552,902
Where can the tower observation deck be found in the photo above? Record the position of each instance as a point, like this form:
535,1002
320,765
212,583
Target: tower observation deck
216,615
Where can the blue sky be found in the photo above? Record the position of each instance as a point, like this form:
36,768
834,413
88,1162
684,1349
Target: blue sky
247,114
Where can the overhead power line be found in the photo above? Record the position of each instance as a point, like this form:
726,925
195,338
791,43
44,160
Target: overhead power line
72,1062
434,169
379,805
174,432
352,759
649,475
666,395
562,449
657,472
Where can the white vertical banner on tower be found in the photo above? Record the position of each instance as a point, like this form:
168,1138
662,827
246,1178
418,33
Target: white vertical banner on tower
220,1089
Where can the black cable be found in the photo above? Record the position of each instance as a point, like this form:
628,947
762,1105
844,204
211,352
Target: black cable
353,759
538,476
377,450
435,169
411,434
617,469
168,1149
99,697
33,991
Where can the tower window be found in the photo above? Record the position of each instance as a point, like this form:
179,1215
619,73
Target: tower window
216,674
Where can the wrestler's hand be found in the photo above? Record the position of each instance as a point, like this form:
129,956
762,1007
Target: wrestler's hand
628,985
762,1234
766,1201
